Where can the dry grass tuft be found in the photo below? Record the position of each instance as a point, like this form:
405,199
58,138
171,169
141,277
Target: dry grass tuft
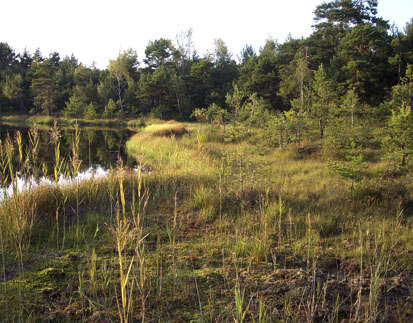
168,129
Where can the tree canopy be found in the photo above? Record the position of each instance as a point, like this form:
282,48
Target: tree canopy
358,52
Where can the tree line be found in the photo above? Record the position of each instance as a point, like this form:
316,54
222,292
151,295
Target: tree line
353,60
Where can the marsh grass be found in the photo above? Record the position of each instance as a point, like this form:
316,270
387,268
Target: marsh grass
47,121
39,119
166,129
206,230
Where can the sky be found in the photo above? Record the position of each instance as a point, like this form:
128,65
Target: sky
97,30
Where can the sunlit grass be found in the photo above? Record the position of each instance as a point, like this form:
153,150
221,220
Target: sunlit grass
165,129
212,230
43,121
39,119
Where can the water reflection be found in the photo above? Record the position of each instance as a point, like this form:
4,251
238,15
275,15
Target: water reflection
99,149
96,147
26,184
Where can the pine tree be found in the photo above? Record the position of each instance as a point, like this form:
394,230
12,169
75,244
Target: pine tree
323,98
398,144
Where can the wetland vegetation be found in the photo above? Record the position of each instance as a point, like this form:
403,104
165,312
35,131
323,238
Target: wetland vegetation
212,228
283,193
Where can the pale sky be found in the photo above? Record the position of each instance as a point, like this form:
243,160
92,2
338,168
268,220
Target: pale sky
96,30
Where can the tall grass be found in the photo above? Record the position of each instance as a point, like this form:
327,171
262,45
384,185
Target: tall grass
204,229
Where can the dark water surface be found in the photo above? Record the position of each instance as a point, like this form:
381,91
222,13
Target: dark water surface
98,147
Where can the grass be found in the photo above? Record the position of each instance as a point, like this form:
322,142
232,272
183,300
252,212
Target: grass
166,129
26,119
210,230
42,120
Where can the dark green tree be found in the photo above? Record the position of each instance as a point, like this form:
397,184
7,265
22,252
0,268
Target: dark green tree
159,52
402,45
224,73
296,79
75,108
13,91
259,74
43,86
362,62
201,83
246,54
64,77
7,59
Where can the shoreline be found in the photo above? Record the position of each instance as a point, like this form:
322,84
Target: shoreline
61,121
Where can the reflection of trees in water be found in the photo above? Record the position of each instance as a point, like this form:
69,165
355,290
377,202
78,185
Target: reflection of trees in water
90,137
96,146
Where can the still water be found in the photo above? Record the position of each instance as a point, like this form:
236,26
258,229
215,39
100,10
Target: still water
99,149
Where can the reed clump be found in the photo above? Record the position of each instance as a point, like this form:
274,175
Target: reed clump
168,129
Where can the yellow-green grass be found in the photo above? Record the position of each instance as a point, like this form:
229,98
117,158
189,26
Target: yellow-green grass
168,129
62,122
306,185
160,146
26,119
273,223
113,122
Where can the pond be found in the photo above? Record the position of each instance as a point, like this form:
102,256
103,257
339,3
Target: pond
99,149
